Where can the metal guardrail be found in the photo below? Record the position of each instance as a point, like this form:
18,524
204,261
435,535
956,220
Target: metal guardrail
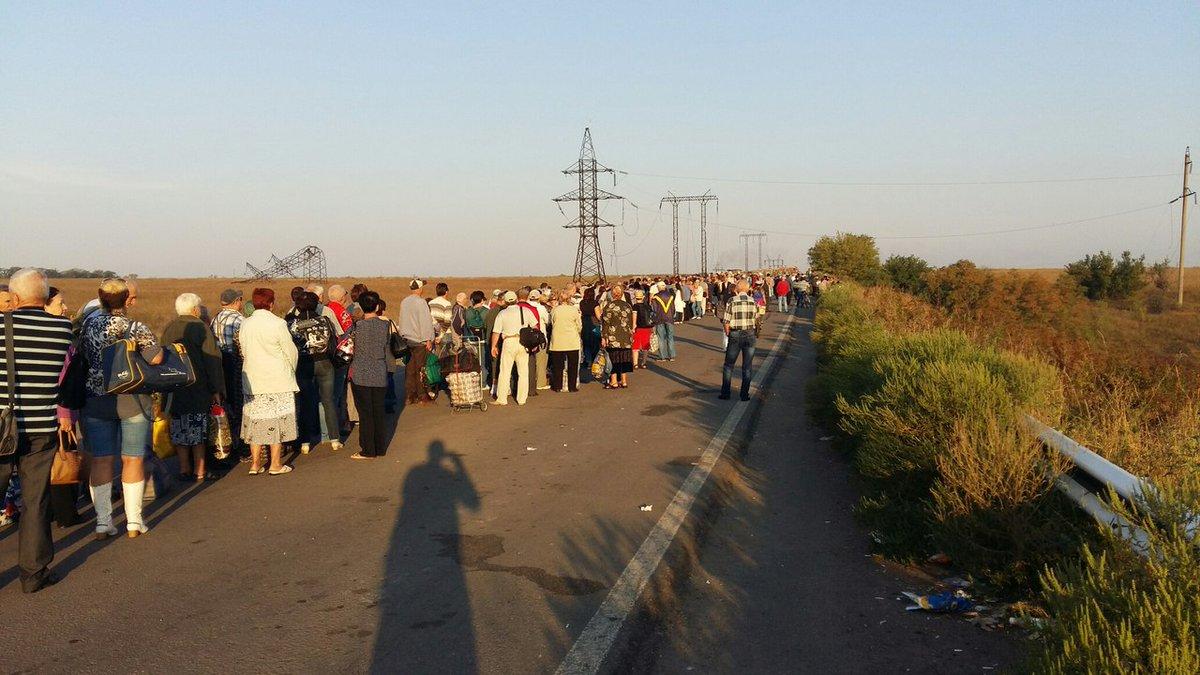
1125,484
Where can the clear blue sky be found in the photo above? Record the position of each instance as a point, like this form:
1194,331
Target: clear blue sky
188,138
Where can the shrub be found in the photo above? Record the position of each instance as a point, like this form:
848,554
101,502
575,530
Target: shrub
1160,274
1116,611
906,272
960,288
850,256
1103,278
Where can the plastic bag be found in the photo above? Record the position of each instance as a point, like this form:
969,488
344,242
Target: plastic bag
949,601
601,365
433,371
219,435
163,448
654,341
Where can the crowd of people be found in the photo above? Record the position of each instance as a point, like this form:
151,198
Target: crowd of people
297,379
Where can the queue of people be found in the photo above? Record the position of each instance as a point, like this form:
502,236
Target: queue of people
298,379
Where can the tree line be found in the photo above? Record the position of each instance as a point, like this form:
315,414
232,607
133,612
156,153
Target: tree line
73,273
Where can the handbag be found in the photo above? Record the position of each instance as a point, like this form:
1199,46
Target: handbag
532,339
343,354
126,371
67,467
8,414
397,344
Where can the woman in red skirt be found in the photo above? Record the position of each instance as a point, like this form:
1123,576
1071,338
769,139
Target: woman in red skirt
644,328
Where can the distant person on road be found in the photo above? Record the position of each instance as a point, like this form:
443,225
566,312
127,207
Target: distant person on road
565,343
189,407
416,327
663,304
741,318
372,367
506,346
618,322
116,424
40,344
269,383
783,291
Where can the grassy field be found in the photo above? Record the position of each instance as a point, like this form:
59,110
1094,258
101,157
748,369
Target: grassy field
156,297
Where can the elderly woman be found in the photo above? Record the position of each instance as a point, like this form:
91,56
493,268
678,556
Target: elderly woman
369,373
189,407
116,423
566,325
269,383
617,325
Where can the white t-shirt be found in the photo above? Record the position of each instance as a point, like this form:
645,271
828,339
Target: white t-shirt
509,320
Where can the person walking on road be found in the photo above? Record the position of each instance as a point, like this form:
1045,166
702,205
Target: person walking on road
565,341
416,327
741,317
39,345
643,328
783,291
189,407
372,367
269,383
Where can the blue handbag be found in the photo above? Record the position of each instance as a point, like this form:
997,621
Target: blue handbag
126,371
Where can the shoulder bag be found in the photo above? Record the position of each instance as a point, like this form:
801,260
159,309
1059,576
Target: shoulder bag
8,414
126,371
531,338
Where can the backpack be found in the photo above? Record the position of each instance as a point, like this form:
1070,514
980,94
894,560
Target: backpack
531,338
475,318
314,337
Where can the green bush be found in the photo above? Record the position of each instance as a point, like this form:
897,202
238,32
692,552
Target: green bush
913,407
1115,611
906,272
849,256
1103,278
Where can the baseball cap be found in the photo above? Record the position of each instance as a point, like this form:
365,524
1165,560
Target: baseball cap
229,295
416,284
497,293
510,296
535,294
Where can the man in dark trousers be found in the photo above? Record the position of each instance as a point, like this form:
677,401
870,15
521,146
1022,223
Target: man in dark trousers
739,319
33,349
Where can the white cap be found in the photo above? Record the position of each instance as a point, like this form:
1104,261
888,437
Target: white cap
510,296
535,294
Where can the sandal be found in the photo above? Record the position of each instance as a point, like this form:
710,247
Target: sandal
285,469
258,471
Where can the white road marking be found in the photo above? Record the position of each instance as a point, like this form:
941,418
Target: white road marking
593,644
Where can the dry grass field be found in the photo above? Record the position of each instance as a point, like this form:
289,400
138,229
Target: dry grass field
156,297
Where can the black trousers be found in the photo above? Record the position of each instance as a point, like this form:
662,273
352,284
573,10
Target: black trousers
571,361
35,549
372,420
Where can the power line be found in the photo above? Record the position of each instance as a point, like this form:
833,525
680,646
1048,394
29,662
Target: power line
975,183
958,235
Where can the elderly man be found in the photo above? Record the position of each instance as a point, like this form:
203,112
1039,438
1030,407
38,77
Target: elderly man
662,304
33,349
741,315
506,345
539,363
226,326
416,327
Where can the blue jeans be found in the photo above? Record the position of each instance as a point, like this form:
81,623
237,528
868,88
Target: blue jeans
740,342
666,340
783,302
129,437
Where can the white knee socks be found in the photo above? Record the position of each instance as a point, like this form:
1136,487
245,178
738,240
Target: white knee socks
102,502
133,493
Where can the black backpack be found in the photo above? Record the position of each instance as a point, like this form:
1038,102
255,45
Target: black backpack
314,337
531,338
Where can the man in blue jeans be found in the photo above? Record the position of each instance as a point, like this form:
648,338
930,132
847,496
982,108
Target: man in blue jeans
663,309
740,314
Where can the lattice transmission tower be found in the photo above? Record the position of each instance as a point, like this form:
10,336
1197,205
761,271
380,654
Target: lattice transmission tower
308,263
674,200
589,263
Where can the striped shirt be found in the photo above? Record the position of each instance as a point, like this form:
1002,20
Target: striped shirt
40,343
740,312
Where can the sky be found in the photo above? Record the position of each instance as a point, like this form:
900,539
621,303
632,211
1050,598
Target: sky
186,139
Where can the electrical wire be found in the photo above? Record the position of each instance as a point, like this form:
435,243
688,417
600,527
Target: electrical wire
972,183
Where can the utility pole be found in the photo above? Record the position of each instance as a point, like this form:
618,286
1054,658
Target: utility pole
1187,171
746,238
703,199
589,263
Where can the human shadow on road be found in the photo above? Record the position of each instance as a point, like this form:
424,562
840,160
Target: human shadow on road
425,618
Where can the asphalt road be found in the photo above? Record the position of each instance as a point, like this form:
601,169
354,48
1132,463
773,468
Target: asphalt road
485,541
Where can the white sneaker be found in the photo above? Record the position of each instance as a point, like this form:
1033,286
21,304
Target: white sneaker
304,448
544,387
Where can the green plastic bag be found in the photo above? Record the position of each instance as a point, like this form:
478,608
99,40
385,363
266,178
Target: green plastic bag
433,371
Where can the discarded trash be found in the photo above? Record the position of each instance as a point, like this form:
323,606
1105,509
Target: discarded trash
938,559
646,507
955,601
530,448
827,438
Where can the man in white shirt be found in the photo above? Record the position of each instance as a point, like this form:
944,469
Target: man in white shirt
506,345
